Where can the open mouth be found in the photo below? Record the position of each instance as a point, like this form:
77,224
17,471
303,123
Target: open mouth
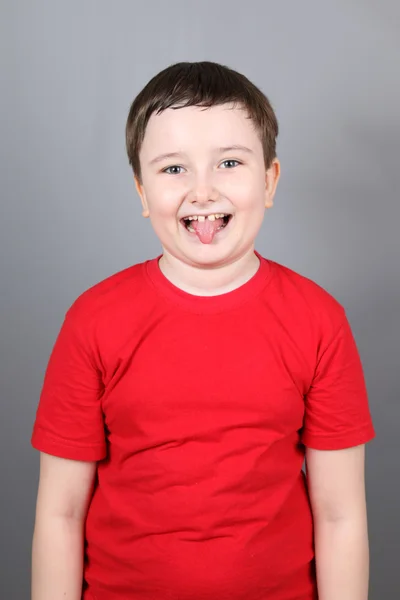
220,220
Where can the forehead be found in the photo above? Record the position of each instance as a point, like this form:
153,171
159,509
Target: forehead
195,126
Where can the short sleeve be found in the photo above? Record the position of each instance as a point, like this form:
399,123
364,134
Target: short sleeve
337,414
69,421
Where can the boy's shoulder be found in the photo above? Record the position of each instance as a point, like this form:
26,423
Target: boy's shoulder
112,293
126,291
288,276
297,292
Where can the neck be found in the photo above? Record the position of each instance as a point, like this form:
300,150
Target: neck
209,281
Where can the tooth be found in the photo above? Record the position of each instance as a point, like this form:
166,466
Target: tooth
211,217
201,218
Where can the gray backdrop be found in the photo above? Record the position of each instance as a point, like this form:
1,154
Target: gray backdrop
70,216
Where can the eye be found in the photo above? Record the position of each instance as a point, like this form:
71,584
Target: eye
230,163
173,170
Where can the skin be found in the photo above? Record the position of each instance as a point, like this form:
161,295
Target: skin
337,493
63,498
201,180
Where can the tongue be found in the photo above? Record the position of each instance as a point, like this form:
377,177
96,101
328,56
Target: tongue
206,230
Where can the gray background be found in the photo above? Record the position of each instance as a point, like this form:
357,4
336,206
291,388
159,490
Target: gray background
70,216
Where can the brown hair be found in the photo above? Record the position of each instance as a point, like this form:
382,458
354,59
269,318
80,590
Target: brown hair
202,84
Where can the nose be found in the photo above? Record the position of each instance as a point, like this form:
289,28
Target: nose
203,190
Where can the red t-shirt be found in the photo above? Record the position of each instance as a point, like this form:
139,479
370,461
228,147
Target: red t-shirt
198,410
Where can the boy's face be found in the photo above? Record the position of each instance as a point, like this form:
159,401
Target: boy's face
200,162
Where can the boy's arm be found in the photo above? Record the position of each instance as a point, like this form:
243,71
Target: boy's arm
337,493
65,488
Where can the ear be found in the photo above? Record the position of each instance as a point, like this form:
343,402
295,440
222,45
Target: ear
271,181
142,196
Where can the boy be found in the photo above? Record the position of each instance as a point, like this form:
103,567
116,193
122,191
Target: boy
183,393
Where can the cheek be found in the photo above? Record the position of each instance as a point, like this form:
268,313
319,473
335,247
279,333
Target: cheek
244,191
163,199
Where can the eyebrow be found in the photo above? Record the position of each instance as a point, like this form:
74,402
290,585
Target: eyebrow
220,150
235,147
162,157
